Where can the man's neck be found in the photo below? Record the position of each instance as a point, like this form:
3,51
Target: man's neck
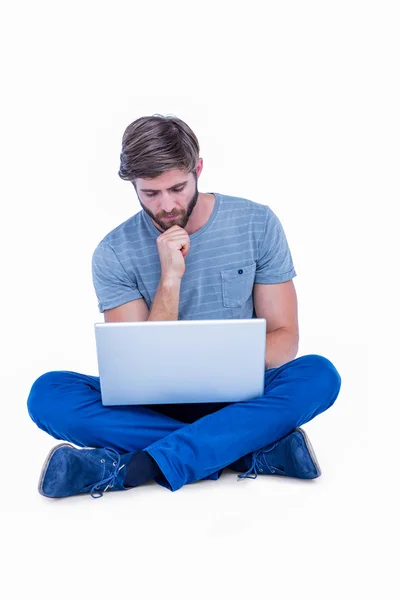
201,213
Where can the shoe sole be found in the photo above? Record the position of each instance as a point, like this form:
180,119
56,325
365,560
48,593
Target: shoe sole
310,449
46,464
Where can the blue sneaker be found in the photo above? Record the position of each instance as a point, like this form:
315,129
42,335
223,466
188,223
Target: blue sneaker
68,471
292,456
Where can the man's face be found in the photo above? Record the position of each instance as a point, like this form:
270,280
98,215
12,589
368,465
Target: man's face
174,193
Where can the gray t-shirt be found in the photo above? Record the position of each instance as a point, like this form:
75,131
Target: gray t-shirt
242,243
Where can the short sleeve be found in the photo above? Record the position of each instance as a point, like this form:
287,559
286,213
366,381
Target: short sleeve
111,282
274,264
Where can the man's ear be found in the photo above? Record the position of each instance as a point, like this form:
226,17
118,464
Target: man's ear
199,167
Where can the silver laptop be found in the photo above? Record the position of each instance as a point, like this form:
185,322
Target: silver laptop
173,362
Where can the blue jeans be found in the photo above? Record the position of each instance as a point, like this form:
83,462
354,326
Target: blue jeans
189,442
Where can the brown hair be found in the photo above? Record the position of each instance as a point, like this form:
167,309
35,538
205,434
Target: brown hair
157,143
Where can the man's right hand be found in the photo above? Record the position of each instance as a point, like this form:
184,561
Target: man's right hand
173,247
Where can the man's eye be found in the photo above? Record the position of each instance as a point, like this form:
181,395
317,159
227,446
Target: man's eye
175,190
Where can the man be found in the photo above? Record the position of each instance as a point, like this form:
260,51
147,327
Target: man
186,255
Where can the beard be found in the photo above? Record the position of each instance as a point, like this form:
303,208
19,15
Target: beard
181,219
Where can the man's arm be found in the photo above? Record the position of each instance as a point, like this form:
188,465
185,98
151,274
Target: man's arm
165,305
277,303
164,308
282,347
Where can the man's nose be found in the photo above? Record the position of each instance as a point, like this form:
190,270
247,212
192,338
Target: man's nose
167,205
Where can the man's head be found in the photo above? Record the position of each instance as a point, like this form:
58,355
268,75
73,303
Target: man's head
160,157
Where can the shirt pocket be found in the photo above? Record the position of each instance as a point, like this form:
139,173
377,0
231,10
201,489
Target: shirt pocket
237,285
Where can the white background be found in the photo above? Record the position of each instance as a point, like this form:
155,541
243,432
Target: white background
295,105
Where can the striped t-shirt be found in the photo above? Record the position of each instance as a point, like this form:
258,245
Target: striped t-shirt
242,243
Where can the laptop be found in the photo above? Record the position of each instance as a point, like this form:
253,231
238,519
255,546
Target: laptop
173,362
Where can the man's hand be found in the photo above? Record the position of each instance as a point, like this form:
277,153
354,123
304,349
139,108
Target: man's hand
173,247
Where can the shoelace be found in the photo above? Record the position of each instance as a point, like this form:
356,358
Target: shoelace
257,465
110,480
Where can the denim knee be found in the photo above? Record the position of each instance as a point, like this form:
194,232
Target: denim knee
325,376
39,398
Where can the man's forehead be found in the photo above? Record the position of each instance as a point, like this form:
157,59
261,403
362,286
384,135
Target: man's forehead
164,181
